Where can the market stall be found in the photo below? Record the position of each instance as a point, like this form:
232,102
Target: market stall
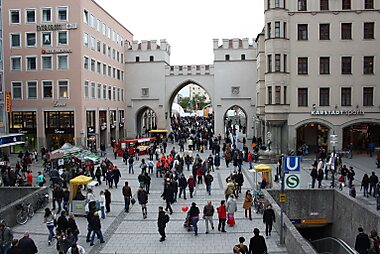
77,200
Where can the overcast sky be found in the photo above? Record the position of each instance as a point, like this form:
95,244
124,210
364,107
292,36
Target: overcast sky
189,26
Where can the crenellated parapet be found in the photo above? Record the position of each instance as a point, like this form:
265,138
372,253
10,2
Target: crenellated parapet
235,43
150,45
177,70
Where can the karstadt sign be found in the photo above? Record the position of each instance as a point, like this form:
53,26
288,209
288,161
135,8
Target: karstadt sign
349,112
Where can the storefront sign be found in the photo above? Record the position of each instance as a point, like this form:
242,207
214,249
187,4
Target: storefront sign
59,131
71,26
53,27
58,104
8,102
56,51
349,112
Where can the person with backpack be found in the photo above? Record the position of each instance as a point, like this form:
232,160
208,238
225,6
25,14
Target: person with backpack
163,219
142,197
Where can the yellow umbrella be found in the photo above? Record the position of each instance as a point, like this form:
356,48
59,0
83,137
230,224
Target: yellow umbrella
75,182
263,168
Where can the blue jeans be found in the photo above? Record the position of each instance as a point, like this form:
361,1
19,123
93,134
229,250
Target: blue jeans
131,169
250,165
51,232
208,188
194,222
98,234
127,201
103,215
5,248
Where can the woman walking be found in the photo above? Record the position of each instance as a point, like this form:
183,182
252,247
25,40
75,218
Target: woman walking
248,204
194,216
365,185
49,220
231,209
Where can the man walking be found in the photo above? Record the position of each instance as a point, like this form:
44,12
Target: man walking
208,213
168,197
163,219
6,237
127,193
373,180
362,242
222,215
27,245
208,181
257,244
130,162
268,219
182,186
142,197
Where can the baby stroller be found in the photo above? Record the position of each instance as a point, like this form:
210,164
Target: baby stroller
187,224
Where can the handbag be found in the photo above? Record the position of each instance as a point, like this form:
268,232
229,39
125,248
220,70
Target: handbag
133,201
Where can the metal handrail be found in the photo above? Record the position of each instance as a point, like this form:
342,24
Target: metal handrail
343,248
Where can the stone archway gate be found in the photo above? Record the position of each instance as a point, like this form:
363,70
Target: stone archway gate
152,82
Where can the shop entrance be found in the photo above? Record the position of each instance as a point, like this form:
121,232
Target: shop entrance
311,137
361,136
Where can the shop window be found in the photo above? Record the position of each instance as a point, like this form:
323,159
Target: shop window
346,64
46,15
62,62
324,97
324,5
17,120
368,65
346,31
302,97
63,89
346,96
16,40
16,63
32,89
367,96
30,16
63,38
302,66
302,32
369,31
47,89
62,14
324,32
324,65
346,4
31,40
46,39
15,17
47,62
17,90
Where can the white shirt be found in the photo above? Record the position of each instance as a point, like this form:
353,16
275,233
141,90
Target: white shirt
80,250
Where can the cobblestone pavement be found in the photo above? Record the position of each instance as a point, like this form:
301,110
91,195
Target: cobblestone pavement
130,233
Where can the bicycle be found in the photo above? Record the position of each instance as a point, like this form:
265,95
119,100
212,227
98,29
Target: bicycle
42,201
26,211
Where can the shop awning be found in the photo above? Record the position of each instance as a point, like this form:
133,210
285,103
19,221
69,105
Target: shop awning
11,140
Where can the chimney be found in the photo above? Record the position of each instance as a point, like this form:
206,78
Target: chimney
245,43
153,44
144,45
225,43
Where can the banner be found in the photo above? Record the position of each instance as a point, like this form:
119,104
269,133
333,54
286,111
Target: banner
8,102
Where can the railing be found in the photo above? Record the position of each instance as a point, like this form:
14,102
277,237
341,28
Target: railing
332,245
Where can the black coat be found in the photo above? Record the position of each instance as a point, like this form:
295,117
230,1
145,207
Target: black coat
268,216
142,197
163,218
362,242
257,245
168,194
62,223
27,246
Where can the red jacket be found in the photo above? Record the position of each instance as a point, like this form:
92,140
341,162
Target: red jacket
222,212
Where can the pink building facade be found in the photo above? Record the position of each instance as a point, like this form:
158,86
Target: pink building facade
64,66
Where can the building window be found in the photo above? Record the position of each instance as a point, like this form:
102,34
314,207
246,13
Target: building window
269,95
62,62
277,63
122,94
346,4
368,65
14,17
86,89
114,93
93,43
92,21
346,64
302,66
85,62
46,38
285,94
151,58
302,5
104,92
268,3
104,69
324,65
93,65
99,25
277,33
346,96
15,40
277,4
324,32
62,14
285,63
109,93
324,5
31,89
269,30
85,16
31,63
99,91
47,63
63,89
109,51
368,4
269,63
277,95
302,32
109,71
99,67
16,63
17,90
104,29
31,40
367,96
85,40
324,97
47,89
93,95
104,49
369,31
63,38
98,46
30,16
242,57
46,15
346,31
302,97
114,54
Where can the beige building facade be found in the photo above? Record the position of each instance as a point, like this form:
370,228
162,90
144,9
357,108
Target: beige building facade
64,66
318,74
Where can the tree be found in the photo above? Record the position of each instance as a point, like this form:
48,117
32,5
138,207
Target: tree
199,102
184,103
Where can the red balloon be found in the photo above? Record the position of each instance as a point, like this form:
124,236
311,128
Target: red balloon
185,208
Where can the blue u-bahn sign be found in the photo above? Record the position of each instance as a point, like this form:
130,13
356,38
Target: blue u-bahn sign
292,164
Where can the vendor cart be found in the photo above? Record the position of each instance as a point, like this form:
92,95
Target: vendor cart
77,200
266,173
